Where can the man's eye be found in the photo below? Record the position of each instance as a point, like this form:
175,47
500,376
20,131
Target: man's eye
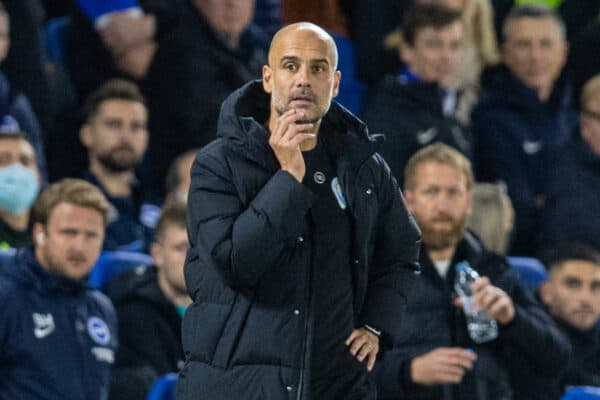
290,67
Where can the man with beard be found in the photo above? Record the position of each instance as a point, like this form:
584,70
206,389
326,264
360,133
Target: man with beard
301,247
572,294
116,137
433,356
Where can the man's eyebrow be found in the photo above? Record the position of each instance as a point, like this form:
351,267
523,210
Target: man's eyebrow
297,59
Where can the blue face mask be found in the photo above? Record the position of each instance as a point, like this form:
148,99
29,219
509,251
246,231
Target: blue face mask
18,188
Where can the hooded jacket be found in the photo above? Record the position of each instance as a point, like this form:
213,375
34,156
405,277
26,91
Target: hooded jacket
248,333
517,138
521,364
57,336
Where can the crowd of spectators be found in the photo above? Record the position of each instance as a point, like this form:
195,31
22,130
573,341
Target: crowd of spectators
500,97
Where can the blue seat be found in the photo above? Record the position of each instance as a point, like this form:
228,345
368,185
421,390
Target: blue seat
112,263
530,271
582,393
55,36
164,388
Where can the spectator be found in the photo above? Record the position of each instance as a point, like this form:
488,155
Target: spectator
178,177
417,106
433,356
525,115
25,64
117,38
15,110
215,49
572,210
292,270
572,295
19,185
57,335
115,136
150,302
492,217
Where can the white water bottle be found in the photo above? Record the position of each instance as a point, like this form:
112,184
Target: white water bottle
482,327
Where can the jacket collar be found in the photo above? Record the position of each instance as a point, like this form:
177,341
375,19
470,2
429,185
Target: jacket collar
28,270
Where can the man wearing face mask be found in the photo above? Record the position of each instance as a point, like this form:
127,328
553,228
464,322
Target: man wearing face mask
19,186
115,135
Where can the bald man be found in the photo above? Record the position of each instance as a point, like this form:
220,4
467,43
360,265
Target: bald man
301,249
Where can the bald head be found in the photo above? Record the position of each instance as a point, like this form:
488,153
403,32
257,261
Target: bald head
293,32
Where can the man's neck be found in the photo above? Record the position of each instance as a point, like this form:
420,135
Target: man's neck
441,254
544,93
17,222
116,184
174,296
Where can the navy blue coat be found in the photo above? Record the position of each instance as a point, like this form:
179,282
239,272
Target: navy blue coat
516,140
525,359
572,210
57,336
249,331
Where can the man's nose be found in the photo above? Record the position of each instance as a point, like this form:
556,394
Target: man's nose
303,77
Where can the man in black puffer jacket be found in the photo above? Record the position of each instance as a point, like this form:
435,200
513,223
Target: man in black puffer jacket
301,247
433,356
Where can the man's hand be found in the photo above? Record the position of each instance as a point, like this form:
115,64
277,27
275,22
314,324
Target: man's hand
136,60
125,31
363,344
494,300
286,139
441,366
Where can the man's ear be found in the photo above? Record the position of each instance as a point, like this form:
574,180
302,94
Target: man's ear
85,135
545,294
337,77
267,76
409,198
405,52
156,254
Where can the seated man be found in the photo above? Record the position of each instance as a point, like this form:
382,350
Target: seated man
57,335
572,209
572,295
215,48
116,137
433,356
19,186
525,115
150,302
418,106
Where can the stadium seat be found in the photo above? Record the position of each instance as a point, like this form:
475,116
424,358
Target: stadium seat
164,388
55,34
530,271
582,393
112,263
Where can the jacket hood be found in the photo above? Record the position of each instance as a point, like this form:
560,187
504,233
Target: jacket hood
24,267
422,94
139,283
245,111
501,87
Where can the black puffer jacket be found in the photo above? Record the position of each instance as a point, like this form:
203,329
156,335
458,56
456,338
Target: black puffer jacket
527,357
248,331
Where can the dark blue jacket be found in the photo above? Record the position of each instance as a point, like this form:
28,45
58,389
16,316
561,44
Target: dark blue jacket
572,210
248,333
57,336
525,359
410,116
516,140
16,105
